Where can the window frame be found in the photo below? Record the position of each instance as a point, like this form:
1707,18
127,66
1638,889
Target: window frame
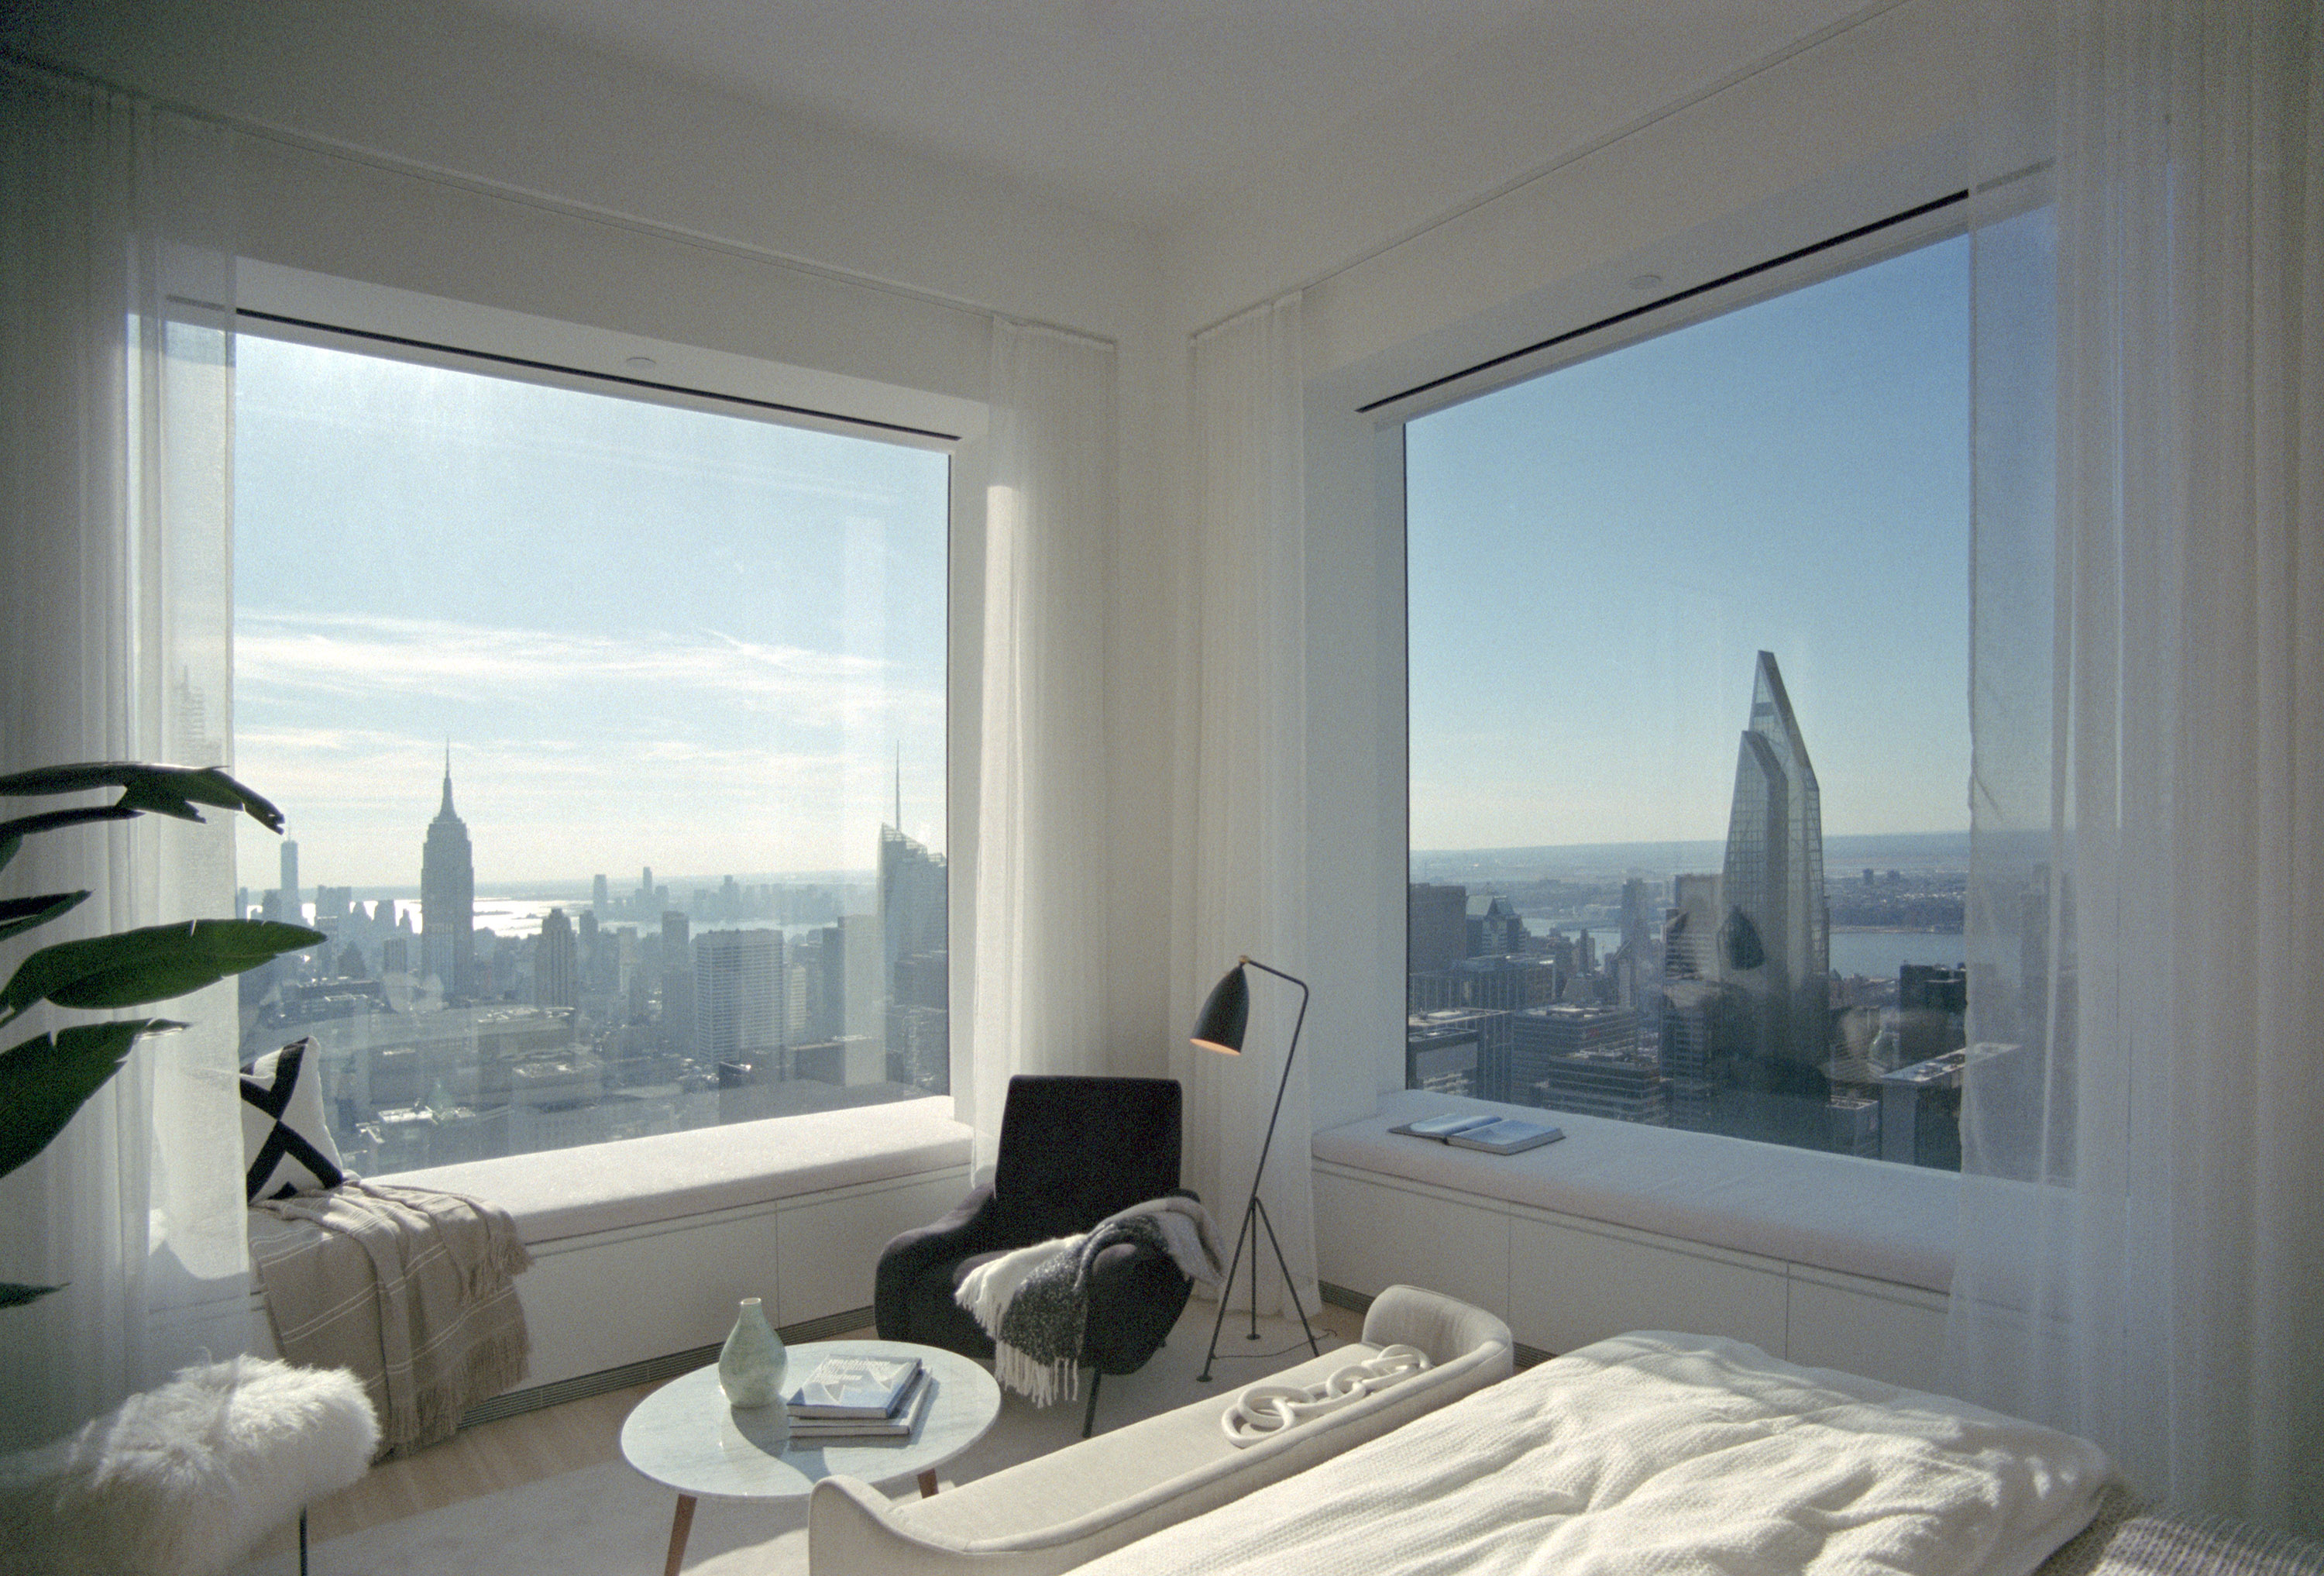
279,302
1928,223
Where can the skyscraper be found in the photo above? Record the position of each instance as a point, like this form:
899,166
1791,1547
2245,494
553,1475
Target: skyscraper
556,967
1691,998
1436,927
676,982
290,881
911,898
1774,942
1638,906
447,900
738,995
914,964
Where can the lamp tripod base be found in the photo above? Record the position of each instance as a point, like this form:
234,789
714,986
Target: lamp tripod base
1255,1211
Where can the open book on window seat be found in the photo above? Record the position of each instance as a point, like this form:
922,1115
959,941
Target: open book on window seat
1496,1135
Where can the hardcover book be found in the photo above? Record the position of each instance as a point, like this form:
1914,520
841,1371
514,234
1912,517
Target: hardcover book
891,1429
1507,1137
1443,1127
854,1387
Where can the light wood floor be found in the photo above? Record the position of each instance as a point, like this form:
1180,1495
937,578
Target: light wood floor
494,1457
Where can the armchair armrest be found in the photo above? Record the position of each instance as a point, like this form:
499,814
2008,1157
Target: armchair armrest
973,1226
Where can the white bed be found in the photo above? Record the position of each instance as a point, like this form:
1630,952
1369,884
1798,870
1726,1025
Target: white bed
1662,1454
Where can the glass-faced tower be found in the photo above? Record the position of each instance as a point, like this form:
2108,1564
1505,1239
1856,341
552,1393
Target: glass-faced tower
448,900
1775,944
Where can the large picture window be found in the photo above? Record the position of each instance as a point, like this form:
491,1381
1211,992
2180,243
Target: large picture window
611,732
1688,654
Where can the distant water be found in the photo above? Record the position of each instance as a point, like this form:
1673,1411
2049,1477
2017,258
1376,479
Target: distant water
1843,853
511,918
1880,953
1875,953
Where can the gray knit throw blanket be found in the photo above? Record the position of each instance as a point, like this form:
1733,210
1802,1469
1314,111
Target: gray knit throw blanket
1034,1303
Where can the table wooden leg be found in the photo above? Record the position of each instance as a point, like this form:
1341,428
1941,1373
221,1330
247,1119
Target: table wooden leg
680,1524
927,1484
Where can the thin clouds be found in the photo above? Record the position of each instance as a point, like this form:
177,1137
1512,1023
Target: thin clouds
360,654
427,555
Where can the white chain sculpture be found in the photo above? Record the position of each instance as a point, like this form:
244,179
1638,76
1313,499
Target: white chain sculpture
1263,1411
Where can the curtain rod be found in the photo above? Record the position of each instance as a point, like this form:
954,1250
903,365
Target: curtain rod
562,370
1749,272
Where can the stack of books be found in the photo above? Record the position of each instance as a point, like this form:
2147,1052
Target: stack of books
859,1400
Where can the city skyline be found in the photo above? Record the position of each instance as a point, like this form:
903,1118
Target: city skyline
1712,1004
459,1038
654,633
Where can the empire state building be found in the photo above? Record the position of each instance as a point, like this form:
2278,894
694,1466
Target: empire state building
447,900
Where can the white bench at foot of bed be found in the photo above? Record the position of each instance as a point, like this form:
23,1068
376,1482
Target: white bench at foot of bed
1070,1507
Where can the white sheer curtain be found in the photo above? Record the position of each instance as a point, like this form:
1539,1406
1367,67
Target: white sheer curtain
1239,831
1039,970
2142,1253
115,338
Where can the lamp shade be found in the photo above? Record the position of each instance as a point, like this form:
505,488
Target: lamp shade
1224,1014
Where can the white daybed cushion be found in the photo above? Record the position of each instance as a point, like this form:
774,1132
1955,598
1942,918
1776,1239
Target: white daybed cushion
670,1176
1664,1453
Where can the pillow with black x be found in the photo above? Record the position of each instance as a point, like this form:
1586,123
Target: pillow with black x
285,1141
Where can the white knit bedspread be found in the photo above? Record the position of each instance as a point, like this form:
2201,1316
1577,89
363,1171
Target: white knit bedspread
1656,1453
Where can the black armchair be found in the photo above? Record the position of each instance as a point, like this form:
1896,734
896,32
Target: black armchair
1072,1151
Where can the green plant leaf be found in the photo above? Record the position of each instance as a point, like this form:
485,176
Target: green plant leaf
23,827
18,914
44,1079
15,1296
166,790
151,964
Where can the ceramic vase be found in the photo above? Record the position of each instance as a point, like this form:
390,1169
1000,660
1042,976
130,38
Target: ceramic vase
751,1363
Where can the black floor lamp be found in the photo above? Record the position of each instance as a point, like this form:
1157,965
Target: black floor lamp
1219,1028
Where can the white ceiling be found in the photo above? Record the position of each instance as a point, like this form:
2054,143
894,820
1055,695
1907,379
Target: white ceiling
1143,111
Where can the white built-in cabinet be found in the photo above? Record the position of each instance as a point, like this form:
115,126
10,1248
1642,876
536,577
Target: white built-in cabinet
604,1300
1564,1282
613,1298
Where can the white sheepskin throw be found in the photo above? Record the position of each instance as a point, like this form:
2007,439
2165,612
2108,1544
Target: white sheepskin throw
185,1479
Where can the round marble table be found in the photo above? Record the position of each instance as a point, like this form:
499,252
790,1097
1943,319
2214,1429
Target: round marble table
686,1436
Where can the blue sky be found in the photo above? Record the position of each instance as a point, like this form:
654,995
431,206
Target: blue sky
1597,556
651,635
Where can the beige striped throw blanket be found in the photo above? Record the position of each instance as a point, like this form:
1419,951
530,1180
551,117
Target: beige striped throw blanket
407,1287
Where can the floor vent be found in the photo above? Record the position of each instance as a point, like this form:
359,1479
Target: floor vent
649,1371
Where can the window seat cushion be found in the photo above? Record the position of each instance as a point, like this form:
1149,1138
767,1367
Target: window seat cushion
1869,1218
636,1182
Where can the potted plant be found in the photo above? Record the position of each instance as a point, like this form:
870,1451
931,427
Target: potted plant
46,1079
